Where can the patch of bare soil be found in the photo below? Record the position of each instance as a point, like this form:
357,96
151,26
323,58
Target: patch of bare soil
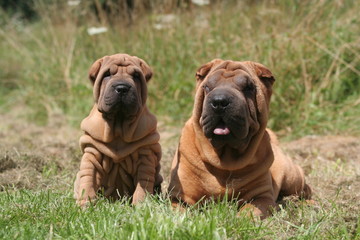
331,163
332,168
36,157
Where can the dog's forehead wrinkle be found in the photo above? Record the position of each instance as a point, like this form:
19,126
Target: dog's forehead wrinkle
234,65
229,69
222,65
214,77
242,79
117,64
121,61
228,74
120,70
113,69
238,77
131,70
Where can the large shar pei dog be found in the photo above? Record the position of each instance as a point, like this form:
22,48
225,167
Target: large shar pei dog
120,144
225,148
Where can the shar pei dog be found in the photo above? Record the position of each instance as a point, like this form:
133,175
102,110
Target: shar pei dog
120,146
225,149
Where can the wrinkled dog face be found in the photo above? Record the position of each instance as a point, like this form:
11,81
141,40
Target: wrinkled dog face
120,85
230,112
120,93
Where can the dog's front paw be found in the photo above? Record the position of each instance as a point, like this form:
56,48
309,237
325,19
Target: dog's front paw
306,192
139,195
83,203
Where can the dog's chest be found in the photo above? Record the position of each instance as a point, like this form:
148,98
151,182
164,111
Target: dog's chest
220,183
125,166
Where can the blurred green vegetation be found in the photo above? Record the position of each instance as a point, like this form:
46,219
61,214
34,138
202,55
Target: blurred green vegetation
312,47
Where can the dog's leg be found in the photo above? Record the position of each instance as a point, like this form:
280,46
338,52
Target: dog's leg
294,183
260,207
89,177
145,177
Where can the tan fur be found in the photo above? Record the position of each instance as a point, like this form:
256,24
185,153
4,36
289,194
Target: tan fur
120,158
255,174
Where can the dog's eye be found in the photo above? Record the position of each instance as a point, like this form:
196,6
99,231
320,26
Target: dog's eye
136,75
206,88
106,74
249,88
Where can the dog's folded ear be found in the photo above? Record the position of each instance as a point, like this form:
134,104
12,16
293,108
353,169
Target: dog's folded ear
145,69
94,70
203,71
264,74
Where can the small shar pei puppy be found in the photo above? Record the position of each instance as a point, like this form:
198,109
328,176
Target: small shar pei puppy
225,148
120,144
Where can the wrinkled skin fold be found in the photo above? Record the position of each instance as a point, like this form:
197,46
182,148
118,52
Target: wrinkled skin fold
225,148
120,145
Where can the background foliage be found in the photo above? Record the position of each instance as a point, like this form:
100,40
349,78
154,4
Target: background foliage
310,46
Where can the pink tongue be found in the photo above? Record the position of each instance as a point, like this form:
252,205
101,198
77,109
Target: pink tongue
221,131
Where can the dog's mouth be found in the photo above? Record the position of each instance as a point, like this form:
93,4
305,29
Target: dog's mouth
118,114
221,129
118,110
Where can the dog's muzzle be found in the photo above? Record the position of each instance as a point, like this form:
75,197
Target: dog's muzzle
119,97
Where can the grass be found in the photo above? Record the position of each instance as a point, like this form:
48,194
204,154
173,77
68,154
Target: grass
54,215
36,197
311,48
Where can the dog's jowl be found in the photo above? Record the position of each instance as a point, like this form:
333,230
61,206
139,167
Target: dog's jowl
120,146
225,147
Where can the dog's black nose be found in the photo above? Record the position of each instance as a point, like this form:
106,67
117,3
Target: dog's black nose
121,88
219,103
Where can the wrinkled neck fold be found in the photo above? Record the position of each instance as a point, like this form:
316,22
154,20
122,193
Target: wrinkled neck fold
106,130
